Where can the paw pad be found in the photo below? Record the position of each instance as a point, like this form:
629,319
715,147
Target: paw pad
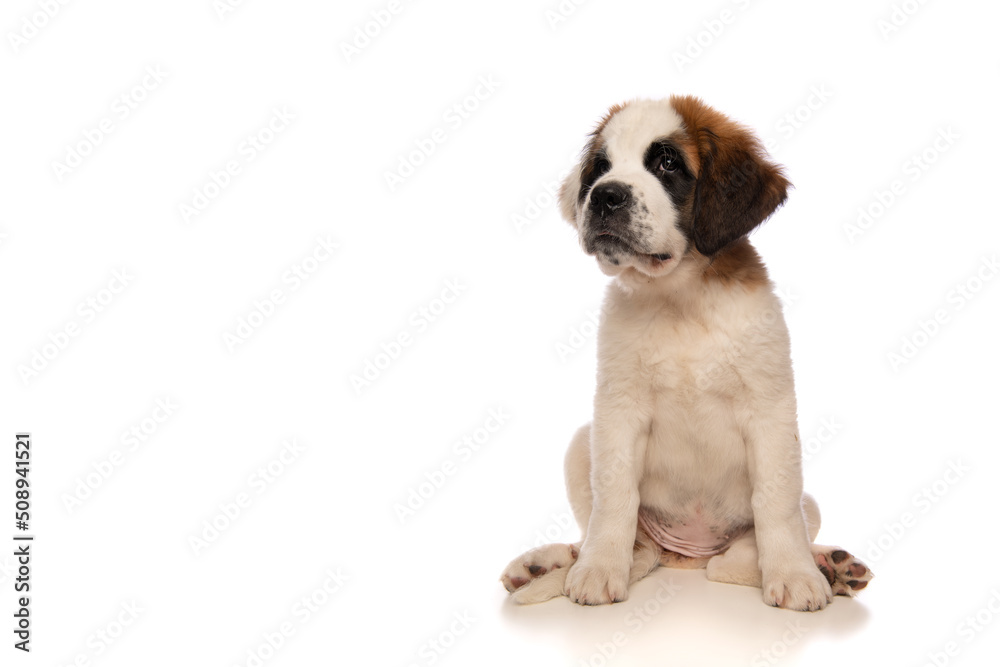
537,563
845,574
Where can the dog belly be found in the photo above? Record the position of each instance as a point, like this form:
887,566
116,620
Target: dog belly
695,535
695,492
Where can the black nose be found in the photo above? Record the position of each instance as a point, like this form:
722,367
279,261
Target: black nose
607,197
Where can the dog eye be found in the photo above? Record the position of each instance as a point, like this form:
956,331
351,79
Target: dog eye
668,161
601,167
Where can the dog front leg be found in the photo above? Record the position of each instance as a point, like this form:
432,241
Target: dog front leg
618,440
790,578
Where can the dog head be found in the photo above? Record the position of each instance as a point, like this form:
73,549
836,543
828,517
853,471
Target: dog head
661,180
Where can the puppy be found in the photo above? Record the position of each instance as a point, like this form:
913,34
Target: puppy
693,457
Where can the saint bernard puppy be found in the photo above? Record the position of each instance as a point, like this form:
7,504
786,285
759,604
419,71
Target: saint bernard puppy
693,457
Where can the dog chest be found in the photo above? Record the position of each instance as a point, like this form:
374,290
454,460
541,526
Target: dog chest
687,357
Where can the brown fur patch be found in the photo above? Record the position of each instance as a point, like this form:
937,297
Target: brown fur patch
736,264
698,117
737,187
689,146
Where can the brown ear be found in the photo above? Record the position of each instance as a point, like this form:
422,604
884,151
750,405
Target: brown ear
737,187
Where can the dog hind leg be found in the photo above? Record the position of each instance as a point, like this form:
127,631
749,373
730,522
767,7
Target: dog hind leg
540,574
738,565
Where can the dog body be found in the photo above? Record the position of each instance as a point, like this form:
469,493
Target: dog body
693,455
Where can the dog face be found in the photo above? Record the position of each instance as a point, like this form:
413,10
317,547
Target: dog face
661,180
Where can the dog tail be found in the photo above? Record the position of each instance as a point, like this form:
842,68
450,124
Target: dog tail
549,585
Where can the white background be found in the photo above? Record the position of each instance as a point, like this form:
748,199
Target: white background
863,101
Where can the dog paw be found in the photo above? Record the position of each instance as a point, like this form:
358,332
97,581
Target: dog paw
537,562
597,583
799,590
845,573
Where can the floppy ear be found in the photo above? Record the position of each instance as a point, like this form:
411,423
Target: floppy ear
737,186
